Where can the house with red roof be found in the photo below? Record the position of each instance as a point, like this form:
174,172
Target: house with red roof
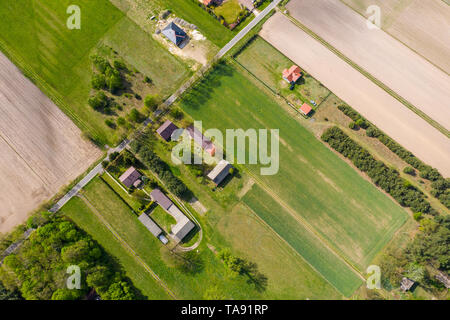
292,74
305,109
209,2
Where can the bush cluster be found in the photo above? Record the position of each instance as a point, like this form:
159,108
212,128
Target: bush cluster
441,186
386,178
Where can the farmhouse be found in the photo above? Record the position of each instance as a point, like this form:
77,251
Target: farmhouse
166,130
201,140
220,172
175,34
183,225
292,74
131,177
305,109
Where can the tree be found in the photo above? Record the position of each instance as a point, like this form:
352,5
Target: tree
408,170
100,102
135,116
151,102
352,125
119,291
98,81
66,294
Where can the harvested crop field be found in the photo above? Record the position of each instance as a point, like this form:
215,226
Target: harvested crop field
424,26
408,74
387,113
41,149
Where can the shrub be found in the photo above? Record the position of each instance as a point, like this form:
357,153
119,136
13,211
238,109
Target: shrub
417,216
352,125
100,102
110,123
408,170
98,81
136,116
150,102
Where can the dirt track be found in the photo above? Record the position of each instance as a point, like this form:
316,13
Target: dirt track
371,101
41,149
398,67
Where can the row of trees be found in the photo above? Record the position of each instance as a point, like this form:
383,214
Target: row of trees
39,269
441,186
387,178
142,147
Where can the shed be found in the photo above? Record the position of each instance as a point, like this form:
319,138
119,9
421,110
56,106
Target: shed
406,284
166,130
150,225
129,177
201,140
220,172
306,109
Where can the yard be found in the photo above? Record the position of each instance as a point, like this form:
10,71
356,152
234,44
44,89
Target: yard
229,10
211,273
267,64
313,185
36,39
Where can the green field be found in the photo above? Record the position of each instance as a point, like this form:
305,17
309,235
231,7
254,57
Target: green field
313,185
267,64
35,37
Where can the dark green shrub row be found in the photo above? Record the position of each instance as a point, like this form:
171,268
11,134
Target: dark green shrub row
153,162
441,186
386,178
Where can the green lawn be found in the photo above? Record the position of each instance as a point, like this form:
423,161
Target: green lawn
348,212
162,218
267,64
154,254
35,37
229,10
80,213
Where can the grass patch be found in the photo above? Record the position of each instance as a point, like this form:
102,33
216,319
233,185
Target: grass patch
229,10
162,218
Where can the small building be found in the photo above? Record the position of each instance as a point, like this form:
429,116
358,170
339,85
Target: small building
209,2
220,172
305,109
183,225
406,284
175,34
129,177
166,130
150,225
444,279
292,74
201,140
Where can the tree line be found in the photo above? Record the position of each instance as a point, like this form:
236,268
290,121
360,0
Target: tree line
38,270
142,147
440,186
386,178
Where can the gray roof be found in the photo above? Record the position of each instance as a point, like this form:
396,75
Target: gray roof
129,177
150,224
174,33
181,229
220,172
406,284
161,199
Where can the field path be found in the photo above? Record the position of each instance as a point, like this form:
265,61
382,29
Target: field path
125,244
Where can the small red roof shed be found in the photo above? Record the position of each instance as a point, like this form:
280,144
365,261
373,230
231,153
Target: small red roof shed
305,109
292,74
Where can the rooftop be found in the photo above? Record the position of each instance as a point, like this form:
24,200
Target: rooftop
174,33
220,172
166,130
292,74
129,177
